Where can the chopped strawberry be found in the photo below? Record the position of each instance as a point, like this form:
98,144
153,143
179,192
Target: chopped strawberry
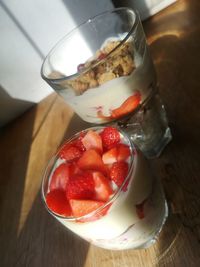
58,203
101,56
92,140
73,169
125,186
81,186
60,177
102,186
140,209
120,152
130,104
110,137
70,152
80,67
118,172
84,207
78,142
91,160
123,152
110,156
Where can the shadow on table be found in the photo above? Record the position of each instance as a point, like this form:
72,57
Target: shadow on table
14,160
48,243
176,54
41,240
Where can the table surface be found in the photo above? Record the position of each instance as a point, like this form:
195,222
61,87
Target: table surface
31,237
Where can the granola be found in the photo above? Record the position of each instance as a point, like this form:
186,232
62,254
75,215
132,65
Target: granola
119,63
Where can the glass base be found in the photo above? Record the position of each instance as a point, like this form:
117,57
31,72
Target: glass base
157,149
148,127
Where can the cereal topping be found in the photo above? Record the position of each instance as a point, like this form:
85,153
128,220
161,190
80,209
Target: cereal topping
120,63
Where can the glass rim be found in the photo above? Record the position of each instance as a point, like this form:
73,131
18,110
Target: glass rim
49,169
90,20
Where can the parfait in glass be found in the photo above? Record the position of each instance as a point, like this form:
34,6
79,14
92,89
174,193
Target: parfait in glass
104,71
100,186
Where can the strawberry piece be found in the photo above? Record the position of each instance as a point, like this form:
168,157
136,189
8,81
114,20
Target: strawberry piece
78,142
60,177
58,203
110,137
130,104
81,186
101,56
140,209
84,207
69,152
120,152
73,169
102,186
118,172
110,156
91,160
80,67
125,186
92,140
123,152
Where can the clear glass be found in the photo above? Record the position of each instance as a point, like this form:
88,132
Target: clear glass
135,214
106,74
148,127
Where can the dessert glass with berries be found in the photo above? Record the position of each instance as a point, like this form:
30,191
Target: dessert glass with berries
104,71
100,187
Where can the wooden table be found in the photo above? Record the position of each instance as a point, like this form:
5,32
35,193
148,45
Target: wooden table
31,237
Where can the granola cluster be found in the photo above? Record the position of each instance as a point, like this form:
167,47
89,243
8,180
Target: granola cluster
120,63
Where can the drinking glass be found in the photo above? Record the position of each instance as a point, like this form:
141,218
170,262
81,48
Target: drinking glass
104,71
134,215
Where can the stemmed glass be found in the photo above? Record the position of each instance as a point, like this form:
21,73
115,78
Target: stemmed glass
104,71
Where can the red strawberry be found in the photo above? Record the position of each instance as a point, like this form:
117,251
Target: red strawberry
103,188
73,169
125,186
110,156
58,203
120,152
130,104
92,140
118,172
84,207
101,56
80,67
91,160
140,209
123,152
60,177
81,186
78,142
110,137
70,152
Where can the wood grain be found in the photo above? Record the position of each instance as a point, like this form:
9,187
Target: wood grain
31,237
